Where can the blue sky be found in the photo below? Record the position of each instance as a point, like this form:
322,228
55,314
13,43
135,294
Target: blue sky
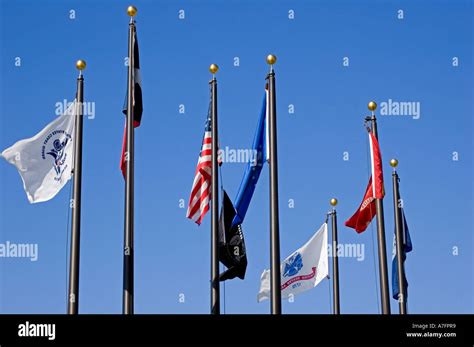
407,60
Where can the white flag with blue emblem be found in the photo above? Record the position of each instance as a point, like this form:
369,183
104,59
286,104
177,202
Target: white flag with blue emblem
303,269
45,160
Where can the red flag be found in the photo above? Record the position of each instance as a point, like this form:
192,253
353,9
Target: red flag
376,161
365,213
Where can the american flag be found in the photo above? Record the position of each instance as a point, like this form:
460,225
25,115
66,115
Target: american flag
201,190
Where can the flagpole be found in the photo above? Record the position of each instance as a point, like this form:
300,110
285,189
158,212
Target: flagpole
274,219
399,239
335,260
215,296
73,294
380,229
128,255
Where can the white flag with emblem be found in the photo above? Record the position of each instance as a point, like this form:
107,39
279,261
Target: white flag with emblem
303,269
45,160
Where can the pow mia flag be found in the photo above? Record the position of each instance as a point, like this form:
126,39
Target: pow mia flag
231,243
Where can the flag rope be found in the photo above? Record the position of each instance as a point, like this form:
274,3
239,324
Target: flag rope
331,310
223,268
329,282
67,240
369,172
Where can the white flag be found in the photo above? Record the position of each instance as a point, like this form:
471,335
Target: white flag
302,270
45,160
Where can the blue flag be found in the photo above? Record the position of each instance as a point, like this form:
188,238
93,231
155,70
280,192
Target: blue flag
407,247
253,169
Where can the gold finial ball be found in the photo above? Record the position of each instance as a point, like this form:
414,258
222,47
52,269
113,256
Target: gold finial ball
333,202
213,68
132,11
394,163
271,59
372,106
81,64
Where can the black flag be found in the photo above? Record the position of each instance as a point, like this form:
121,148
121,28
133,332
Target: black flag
231,243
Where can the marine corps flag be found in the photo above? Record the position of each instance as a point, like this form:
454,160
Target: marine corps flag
45,160
231,243
367,210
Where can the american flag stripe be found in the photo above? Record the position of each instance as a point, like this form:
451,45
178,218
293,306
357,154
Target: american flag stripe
199,205
201,190
201,210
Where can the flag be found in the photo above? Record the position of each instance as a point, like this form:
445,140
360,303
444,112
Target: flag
303,269
375,190
254,167
45,161
407,247
201,190
231,243
376,163
365,213
137,102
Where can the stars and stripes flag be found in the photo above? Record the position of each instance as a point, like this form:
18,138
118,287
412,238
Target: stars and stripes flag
201,190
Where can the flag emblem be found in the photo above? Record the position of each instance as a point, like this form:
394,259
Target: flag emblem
293,265
58,152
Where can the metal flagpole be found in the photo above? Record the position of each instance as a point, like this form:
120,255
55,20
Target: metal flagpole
399,238
73,294
215,297
335,260
274,220
128,282
380,229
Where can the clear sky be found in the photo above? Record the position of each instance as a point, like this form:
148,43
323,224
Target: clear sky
406,60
